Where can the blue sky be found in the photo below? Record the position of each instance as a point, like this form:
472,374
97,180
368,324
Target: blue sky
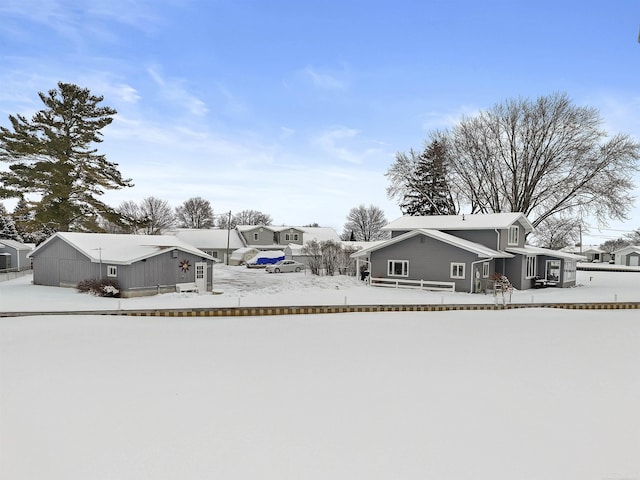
297,108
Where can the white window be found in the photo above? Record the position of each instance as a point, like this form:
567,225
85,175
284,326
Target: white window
255,236
287,237
295,237
531,267
457,270
112,271
485,270
398,268
514,235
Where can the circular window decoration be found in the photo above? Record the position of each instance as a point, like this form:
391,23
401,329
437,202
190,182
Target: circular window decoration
185,265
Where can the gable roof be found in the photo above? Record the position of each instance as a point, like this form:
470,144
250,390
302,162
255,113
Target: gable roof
485,221
121,249
14,244
473,247
210,237
628,249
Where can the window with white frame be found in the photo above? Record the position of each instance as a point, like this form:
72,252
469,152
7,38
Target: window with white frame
514,235
112,271
295,237
485,270
255,236
531,266
457,270
398,268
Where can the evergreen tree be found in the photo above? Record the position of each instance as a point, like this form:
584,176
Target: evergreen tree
428,192
53,157
8,229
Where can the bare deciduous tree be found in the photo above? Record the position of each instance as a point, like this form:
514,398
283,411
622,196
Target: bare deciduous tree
365,224
543,158
195,213
313,251
611,246
157,214
558,232
245,217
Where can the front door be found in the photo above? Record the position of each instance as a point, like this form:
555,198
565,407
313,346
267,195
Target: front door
201,276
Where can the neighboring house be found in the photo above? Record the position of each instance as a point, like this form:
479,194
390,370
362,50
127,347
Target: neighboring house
592,253
295,251
629,256
219,243
141,264
269,237
467,251
13,256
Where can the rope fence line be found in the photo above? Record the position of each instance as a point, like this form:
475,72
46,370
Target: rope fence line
328,309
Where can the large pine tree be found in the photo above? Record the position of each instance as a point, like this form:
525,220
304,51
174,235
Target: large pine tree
53,160
428,192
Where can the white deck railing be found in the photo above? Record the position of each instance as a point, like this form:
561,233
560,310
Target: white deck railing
416,284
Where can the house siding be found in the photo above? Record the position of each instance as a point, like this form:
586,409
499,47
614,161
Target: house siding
59,264
415,250
266,236
17,259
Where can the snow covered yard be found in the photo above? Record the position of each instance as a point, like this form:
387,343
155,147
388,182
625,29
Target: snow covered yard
526,394
239,286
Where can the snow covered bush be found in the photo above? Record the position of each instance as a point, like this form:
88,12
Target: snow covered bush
100,288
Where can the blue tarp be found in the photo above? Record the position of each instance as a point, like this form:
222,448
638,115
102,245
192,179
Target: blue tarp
268,261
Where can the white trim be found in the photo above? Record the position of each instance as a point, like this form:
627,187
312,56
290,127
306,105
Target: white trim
485,269
457,270
391,271
112,271
514,235
531,270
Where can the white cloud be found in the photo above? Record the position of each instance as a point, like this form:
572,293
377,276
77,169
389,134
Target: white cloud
176,93
345,144
325,80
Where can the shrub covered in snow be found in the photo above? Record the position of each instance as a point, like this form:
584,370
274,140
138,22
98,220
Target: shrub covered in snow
104,287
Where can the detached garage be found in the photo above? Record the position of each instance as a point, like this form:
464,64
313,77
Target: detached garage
140,264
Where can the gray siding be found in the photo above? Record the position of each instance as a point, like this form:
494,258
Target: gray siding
265,236
488,238
291,232
429,260
59,264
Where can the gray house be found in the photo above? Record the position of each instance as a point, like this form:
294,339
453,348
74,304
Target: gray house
141,264
13,256
466,252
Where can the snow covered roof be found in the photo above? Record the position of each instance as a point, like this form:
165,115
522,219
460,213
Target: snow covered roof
480,250
531,250
210,237
628,249
14,244
320,234
240,252
486,221
121,249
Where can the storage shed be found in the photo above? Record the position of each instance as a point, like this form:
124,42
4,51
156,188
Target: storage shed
140,264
